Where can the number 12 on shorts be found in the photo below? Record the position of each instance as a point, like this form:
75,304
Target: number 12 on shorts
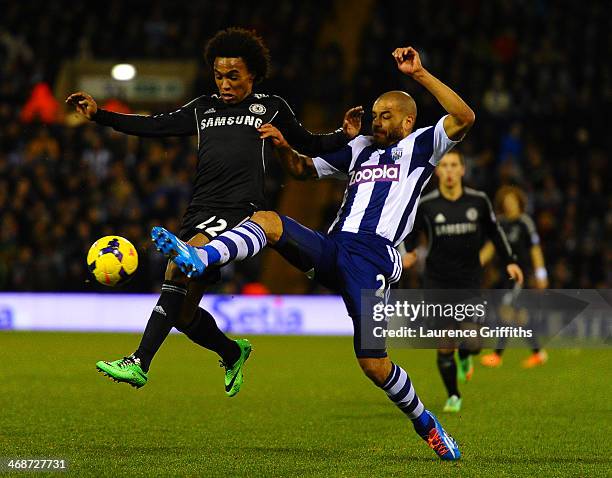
213,229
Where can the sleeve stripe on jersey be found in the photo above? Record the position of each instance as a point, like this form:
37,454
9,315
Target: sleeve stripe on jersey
423,149
339,160
325,170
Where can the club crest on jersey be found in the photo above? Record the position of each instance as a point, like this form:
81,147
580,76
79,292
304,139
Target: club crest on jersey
471,214
375,173
396,153
257,109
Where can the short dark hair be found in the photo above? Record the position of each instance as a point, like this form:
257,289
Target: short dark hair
240,43
459,155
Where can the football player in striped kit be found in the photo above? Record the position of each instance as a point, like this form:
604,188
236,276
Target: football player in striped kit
385,174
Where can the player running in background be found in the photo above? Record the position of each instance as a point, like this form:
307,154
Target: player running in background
521,232
457,220
228,187
386,173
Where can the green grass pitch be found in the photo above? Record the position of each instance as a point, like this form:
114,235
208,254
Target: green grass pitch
305,410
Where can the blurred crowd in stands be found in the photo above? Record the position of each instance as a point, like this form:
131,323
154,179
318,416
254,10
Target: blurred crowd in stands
534,72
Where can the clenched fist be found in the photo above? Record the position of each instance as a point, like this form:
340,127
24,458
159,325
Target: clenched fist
84,103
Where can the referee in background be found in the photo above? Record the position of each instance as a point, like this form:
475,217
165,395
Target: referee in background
457,221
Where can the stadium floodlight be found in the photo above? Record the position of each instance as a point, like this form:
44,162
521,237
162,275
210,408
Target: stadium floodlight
123,72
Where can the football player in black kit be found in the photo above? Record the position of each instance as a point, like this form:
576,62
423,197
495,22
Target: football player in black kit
521,232
457,220
228,186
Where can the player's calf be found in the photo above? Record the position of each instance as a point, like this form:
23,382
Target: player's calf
271,224
376,369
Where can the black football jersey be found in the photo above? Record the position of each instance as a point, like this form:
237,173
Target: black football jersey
456,231
232,158
522,236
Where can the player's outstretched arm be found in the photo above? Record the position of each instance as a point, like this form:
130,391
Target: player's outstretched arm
461,117
84,104
315,144
178,123
297,165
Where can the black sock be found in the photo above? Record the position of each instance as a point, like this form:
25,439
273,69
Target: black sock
161,322
535,344
501,345
448,371
205,332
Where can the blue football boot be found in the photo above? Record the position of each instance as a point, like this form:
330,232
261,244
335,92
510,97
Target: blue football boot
182,254
441,442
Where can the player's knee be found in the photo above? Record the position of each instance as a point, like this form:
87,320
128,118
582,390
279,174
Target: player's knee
189,310
271,223
376,369
184,323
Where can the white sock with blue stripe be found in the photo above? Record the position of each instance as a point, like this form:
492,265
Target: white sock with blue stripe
400,391
236,244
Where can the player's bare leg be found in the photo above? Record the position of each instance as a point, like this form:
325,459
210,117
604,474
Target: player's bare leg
271,223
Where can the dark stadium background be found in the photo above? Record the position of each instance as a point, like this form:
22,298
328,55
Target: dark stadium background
534,71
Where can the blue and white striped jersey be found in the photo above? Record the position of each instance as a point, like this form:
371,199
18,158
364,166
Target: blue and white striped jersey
384,185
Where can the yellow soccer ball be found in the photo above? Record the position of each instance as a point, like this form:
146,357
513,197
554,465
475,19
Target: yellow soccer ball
112,260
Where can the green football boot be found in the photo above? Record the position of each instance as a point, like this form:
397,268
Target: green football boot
465,369
453,404
233,374
126,370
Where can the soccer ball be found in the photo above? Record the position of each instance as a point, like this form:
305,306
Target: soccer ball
112,260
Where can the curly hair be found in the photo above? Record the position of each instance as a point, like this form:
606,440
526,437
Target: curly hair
501,194
240,43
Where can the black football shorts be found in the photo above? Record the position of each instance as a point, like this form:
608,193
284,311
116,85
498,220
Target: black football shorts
211,223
